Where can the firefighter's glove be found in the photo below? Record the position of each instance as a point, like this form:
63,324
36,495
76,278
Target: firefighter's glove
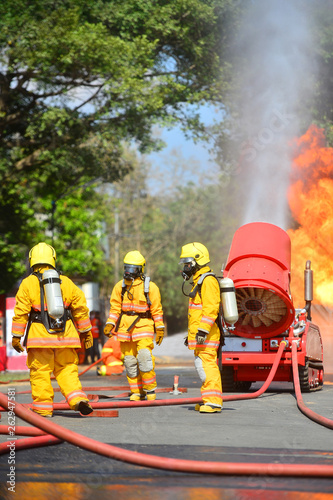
108,329
186,341
16,344
201,337
88,339
159,336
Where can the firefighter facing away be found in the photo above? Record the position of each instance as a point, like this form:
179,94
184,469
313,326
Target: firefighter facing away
135,314
53,312
203,331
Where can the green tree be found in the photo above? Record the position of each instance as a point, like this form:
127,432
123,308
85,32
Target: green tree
77,79
78,237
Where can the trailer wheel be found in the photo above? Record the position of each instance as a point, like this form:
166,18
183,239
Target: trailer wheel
227,377
310,379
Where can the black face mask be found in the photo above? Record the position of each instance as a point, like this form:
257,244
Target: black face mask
188,270
186,273
132,272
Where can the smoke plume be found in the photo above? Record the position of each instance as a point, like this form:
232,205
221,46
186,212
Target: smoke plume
273,58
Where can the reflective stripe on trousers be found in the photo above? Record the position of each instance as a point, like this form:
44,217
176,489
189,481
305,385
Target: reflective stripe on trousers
209,373
42,362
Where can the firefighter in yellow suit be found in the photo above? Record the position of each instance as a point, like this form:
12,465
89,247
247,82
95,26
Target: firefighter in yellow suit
203,332
113,358
135,313
56,351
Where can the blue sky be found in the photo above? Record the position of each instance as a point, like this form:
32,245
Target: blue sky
182,160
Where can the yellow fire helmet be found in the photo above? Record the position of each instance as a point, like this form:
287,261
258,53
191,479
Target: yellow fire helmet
134,258
134,265
195,251
42,254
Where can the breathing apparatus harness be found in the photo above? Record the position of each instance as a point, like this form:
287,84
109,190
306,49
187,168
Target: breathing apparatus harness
53,326
197,289
139,315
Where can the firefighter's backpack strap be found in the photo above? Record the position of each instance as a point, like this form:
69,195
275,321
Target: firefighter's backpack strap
197,288
146,290
219,319
44,316
123,290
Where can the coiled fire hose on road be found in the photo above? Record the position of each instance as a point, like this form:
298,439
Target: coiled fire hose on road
156,462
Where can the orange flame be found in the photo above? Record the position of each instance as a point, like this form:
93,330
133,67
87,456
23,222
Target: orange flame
310,199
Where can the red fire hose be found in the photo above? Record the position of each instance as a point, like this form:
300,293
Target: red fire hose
90,366
156,462
87,388
171,402
31,442
22,430
300,403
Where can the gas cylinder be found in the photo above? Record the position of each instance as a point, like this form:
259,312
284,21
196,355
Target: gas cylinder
53,296
229,303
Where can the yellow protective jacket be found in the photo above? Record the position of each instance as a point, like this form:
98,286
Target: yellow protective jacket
203,311
134,301
28,298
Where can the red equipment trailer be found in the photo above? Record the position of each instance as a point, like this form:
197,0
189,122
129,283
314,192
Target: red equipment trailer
259,265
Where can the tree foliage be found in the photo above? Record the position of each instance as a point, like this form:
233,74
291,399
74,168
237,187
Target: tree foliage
81,221
77,79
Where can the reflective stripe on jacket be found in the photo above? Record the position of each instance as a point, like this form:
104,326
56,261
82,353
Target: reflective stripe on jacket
135,302
28,297
95,322
203,312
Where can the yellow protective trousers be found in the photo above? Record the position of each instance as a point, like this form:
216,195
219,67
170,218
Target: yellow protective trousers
63,363
140,365
209,373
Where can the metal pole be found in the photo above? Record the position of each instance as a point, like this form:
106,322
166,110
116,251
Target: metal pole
52,219
116,246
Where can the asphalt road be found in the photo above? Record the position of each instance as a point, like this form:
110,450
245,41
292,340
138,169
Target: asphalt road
269,430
